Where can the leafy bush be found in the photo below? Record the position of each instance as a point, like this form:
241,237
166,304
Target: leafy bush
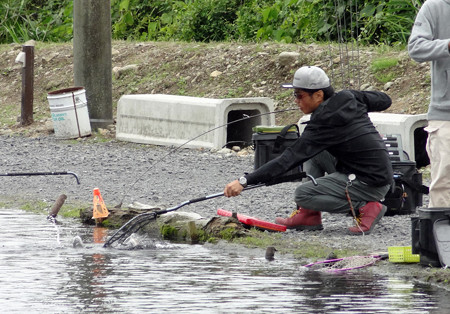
388,21
136,19
208,20
23,20
368,21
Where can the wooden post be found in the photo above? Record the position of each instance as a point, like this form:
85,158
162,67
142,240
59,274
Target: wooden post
26,116
57,206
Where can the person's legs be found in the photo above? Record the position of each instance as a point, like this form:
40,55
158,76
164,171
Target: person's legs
319,165
438,150
329,195
305,219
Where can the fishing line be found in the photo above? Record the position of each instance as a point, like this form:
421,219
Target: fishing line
355,38
245,117
348,70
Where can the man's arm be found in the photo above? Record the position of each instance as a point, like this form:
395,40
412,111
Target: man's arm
422,44
374,100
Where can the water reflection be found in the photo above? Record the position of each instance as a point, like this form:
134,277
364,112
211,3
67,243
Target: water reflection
87,281
55,277
88,272
365,292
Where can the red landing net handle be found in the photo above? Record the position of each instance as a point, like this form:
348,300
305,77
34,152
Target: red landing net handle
254,222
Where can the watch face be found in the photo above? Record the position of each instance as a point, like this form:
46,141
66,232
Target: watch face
243,181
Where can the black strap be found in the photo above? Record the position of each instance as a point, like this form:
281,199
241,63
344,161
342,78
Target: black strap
281,137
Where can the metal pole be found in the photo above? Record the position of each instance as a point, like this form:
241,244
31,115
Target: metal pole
26,117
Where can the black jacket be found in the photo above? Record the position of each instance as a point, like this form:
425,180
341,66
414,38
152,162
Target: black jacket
341,126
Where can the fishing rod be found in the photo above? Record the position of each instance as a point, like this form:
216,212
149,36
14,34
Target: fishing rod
138,222
173,150
53,173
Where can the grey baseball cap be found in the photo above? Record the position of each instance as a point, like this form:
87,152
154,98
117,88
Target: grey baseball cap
309,77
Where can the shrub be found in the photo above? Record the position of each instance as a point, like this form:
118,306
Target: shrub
23,20
368,21
208,20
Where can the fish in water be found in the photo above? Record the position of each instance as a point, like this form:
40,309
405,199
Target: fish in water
270,253
132,243
77,242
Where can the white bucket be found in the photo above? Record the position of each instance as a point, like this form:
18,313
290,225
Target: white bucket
69,112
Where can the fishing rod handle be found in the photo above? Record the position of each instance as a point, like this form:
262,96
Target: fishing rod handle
204,198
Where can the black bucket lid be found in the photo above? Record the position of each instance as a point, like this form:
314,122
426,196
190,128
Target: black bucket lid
434,213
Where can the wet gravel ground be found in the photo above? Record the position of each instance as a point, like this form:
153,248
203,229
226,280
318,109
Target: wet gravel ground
161,176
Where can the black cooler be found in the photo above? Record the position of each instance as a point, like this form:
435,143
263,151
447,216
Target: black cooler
431,236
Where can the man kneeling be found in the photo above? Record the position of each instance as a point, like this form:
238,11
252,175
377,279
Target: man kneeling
340,147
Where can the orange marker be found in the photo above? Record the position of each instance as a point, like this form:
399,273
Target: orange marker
99,211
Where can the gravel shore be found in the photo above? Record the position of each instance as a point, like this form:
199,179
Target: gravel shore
166,176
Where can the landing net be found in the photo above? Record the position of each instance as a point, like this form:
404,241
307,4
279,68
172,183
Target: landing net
346,263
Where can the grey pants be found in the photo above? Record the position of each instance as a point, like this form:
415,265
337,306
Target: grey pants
329,195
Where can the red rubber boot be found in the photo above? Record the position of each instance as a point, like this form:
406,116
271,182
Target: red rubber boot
369,215
302,219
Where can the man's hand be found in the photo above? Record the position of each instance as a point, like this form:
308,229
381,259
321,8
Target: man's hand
233,188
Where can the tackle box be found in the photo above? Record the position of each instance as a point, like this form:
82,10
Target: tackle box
271,141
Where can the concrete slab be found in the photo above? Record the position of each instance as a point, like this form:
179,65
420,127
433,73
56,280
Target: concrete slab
192,122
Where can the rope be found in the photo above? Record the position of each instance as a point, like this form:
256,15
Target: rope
357,220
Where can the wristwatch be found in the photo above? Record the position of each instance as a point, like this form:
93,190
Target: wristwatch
243,181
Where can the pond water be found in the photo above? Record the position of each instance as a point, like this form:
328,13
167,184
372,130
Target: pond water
41,271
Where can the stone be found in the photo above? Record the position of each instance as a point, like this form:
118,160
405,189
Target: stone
388,85
215,74
287,58
119,71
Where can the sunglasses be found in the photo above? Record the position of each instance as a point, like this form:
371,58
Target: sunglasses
298,95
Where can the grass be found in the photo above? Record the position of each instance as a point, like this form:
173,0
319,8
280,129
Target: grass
385,49
299,249
383,64
384,69
169,232
40,207
68,210
7,114
37,207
